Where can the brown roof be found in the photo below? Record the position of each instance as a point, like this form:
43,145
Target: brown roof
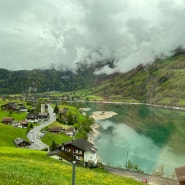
7,119
82,144
180,173
55,129
18,141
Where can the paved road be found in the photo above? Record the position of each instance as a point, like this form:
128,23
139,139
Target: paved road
152,179
35,134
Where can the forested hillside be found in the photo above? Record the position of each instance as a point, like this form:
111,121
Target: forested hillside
12,82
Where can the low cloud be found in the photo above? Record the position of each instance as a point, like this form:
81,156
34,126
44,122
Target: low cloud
38,34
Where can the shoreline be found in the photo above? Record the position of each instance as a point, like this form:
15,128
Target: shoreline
92,135
98,115
139,103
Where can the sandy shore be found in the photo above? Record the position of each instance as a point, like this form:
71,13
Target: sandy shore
100,115
92,135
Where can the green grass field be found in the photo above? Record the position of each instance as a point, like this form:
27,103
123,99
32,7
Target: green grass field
24,166
9,133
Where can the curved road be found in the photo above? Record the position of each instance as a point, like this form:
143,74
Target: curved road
35,134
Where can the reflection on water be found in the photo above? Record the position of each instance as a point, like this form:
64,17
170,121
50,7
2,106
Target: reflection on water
151,138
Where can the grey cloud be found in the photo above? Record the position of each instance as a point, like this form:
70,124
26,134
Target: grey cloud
35,34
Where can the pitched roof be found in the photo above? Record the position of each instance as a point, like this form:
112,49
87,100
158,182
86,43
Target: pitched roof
83,145
7,119
55,129
180,173
31,116
18,141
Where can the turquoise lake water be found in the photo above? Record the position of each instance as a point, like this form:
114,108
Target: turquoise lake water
150,138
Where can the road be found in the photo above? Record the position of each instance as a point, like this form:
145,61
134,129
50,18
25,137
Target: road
35,134
152,179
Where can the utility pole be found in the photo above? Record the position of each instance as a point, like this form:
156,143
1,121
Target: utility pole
73,172
126,158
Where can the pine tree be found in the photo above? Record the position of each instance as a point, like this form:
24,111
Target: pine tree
52,146
70,120
56,109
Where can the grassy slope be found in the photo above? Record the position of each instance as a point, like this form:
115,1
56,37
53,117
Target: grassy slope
162,82
9,133
26,166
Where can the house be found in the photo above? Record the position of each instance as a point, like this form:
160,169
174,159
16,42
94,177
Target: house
63,111
80,149
180,174
56,129
23,124
43,116
32,118
11,106
70,131
7,120
22,108
19,142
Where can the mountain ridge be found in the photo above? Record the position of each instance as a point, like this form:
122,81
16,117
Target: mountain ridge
162,82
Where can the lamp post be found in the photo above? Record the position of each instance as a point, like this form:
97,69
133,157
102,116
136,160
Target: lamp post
73,172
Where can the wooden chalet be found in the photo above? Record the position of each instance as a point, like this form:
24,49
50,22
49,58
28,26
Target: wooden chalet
43,116
23,124
79,149
180,174
11,106
7,120
32,118
19,142
63,111
56,129
70,131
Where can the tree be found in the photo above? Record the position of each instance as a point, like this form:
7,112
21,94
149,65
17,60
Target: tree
56,109
70,120
30,125
178,51
52,146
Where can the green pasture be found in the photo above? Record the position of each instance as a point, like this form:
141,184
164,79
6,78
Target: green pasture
9,133
25,166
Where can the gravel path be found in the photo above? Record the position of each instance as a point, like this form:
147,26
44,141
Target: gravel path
152,179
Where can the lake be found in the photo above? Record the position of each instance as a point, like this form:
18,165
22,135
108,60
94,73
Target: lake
148,138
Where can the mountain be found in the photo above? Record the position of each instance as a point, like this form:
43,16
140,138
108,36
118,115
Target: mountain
162,82
12,82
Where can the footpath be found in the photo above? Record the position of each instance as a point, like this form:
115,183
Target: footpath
151,179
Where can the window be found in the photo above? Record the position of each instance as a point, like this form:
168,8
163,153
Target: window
78,151
78,157
67,149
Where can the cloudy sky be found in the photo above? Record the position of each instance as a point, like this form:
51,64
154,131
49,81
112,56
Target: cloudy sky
47,33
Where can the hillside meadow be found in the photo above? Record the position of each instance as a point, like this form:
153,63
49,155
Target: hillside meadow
23,166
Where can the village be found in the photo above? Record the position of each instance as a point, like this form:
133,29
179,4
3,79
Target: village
70,149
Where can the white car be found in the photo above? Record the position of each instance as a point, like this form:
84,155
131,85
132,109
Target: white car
31,131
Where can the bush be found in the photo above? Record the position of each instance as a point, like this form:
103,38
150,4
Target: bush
91,164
